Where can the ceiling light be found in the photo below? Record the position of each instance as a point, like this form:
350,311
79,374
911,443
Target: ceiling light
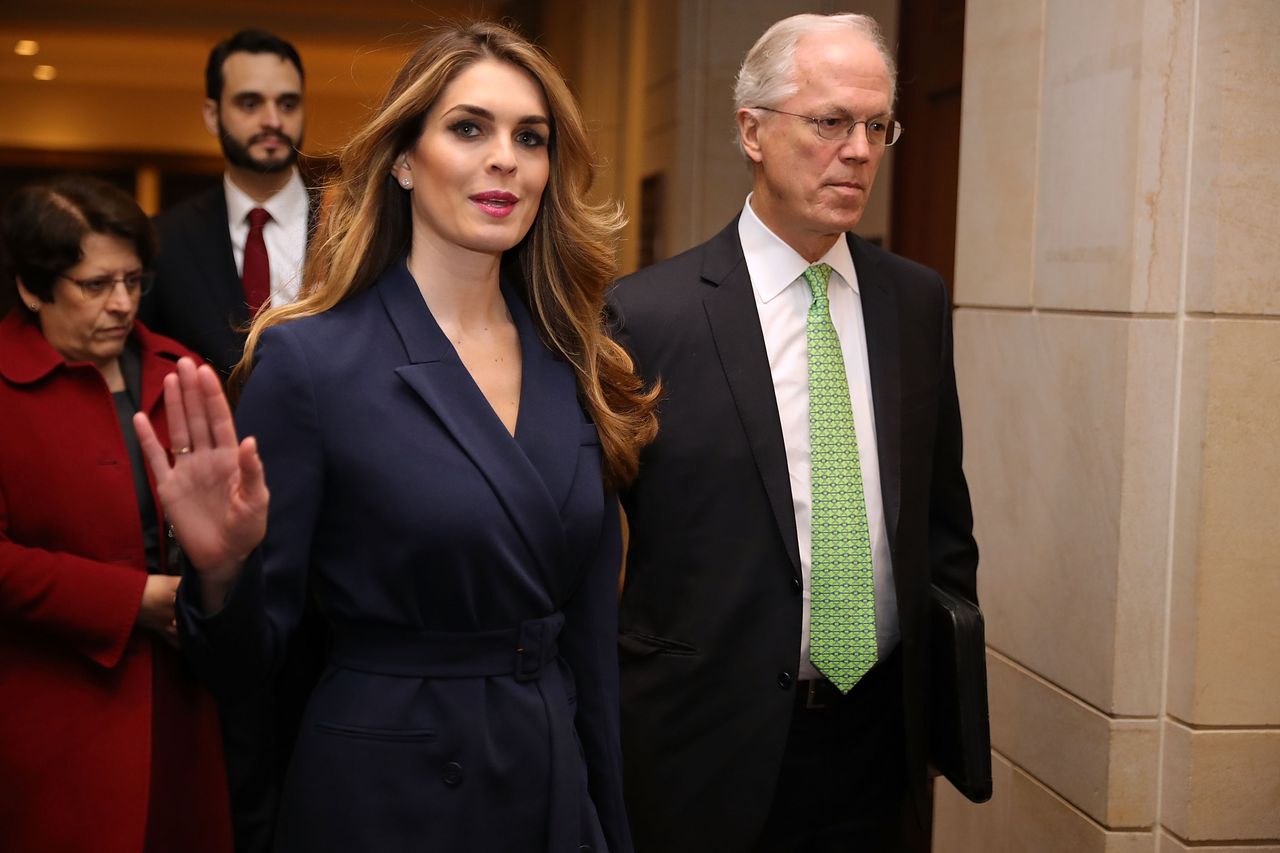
26,47
44,72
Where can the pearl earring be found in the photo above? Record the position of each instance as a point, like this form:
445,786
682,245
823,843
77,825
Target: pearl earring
35,306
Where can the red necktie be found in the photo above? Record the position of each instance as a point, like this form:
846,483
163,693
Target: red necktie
256,277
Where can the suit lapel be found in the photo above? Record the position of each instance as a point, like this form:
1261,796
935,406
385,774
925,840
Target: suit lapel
210,242
437,375
735,328
880,317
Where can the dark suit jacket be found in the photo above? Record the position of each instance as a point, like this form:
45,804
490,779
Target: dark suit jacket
431,538
198,299
711,611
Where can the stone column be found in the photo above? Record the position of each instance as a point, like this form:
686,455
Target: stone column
1118,353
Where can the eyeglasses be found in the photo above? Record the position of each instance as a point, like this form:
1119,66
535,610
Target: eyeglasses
880,131
135,284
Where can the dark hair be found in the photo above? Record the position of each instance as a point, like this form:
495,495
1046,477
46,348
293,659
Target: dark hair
245,41
44,224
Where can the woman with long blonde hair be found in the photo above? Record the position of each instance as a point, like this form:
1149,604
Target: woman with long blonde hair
441,421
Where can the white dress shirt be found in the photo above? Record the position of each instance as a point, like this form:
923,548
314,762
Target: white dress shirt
783,299
285,233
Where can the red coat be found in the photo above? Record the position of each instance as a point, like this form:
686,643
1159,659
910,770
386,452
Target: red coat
79,684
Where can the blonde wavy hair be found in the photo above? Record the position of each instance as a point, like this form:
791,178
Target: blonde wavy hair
565,263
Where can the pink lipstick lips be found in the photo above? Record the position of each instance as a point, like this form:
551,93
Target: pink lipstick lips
495,202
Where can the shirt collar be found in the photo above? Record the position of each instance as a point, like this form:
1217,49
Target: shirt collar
287,205
774,265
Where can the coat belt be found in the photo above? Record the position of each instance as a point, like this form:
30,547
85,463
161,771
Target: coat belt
520,652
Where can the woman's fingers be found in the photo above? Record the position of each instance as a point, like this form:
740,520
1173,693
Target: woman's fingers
151,449
193,400
194,405
253,484
175,412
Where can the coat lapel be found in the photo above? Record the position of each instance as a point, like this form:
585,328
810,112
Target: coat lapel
158,358
549,407
735,327
438,376
880,317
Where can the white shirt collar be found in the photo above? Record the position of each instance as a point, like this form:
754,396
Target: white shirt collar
288,205
774,265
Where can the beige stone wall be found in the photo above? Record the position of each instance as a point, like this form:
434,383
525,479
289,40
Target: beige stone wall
1118,352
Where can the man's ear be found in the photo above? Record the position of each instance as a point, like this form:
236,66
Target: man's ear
749,133
211,116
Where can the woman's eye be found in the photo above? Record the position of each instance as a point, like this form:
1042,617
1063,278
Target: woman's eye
98,285
877,126
466,129
531,139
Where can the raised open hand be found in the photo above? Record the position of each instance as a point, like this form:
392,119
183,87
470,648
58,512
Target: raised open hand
213,492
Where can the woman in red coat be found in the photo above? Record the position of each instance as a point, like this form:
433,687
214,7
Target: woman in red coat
106,742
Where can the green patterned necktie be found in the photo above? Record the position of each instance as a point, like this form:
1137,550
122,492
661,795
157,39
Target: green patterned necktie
842,604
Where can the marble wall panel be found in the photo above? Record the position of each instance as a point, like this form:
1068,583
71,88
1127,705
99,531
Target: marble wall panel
1088,133
1221,785
1024,816
1171,844
999,123
1052,420
1233,244
1164,114
1225,637
1111,168
1105,767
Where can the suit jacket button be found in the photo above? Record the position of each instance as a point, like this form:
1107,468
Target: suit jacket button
796,585
785,680
452,773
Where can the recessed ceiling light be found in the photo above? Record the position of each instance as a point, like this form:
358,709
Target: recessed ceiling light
26,47
44,72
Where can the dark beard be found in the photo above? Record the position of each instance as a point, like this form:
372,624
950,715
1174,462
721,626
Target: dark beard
238,155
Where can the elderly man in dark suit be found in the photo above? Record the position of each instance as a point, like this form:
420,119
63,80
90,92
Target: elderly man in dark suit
238,247
804,491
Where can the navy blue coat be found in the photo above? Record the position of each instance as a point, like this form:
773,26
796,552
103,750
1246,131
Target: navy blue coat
470,701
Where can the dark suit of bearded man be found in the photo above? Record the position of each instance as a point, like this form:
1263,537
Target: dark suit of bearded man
734,740
198,297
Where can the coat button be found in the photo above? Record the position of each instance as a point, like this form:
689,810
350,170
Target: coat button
796,586
785,680
452,774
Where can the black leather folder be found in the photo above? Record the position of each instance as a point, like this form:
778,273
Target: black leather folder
960,730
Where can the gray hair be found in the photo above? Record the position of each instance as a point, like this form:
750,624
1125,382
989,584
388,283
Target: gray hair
767,74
